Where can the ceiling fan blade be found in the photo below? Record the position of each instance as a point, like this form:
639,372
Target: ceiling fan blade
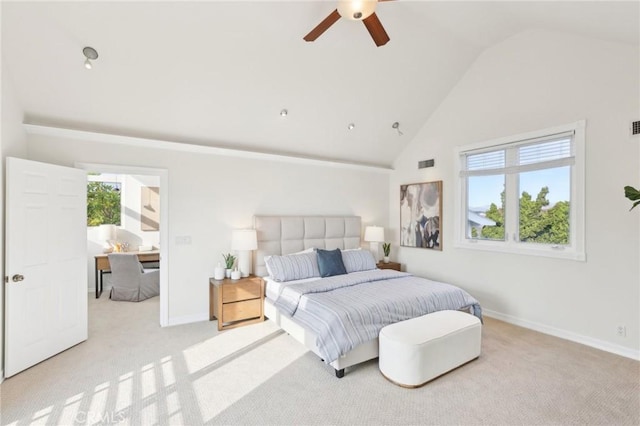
379,35
323,26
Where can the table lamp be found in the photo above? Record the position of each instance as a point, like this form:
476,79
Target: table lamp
374,235
244,240
107,233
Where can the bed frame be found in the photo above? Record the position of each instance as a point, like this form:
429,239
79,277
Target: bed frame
278,235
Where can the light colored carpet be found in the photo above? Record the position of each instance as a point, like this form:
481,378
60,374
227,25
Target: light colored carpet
131,371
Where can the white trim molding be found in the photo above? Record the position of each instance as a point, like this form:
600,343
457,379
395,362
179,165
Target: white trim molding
87,136
564,334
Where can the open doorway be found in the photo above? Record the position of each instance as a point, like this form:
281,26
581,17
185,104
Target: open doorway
142,228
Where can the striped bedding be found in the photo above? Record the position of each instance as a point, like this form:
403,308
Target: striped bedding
344,311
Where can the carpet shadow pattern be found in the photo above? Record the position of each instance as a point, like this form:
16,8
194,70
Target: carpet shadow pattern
522,377
131,371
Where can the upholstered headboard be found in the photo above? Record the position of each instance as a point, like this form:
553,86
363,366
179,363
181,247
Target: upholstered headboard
278,235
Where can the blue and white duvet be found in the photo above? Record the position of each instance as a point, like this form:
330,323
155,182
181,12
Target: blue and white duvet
344,311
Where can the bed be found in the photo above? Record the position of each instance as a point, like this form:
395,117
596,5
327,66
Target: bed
339,317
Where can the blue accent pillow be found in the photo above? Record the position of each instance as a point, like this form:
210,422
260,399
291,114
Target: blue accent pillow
330,263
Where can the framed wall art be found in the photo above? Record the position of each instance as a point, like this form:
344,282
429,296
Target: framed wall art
150,208
421,215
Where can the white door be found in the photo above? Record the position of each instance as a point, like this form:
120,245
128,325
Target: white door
46,262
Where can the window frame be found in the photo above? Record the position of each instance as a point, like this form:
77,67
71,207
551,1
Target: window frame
575,250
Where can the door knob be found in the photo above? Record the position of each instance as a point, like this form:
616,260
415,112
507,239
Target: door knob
17,278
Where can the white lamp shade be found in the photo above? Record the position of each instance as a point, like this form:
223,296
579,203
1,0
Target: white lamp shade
374,234
107,232
244,239
357,10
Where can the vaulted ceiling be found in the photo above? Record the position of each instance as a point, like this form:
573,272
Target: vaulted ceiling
218,73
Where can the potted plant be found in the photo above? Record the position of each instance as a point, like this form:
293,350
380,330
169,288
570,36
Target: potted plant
229,260
386,248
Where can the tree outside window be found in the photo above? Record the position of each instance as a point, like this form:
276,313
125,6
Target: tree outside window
103,203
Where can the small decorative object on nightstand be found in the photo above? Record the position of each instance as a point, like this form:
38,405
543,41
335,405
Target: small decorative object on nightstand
218,272
235,303
229,260
386,248
389,265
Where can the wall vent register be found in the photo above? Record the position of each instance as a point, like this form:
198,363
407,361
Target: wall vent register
426,163
635,128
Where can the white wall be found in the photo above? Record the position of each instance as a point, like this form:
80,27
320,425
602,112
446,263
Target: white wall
533,81
130,230
209,195
13,144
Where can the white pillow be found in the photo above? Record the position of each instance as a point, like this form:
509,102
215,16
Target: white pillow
358,260
266,264
292,266
308,250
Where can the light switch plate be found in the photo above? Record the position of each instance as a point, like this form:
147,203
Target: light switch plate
183,240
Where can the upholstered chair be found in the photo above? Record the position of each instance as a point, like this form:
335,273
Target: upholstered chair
130,282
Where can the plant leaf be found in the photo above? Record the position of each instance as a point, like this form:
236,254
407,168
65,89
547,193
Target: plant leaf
634,204
631,193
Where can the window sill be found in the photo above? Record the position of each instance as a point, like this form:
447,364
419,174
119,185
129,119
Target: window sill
543,251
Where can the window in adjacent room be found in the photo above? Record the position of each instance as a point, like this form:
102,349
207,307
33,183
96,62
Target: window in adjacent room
524,194
104,199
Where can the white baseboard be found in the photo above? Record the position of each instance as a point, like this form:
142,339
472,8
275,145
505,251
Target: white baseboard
564,334
189,319
1,375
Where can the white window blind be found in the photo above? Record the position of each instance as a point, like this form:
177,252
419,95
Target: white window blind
522,156
486,161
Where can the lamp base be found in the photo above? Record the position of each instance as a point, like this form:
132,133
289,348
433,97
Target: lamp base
373,246
244,263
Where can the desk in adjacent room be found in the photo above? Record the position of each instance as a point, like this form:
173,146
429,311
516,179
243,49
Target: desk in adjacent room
102,264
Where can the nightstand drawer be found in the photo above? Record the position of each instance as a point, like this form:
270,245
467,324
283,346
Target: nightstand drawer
241,291
242,310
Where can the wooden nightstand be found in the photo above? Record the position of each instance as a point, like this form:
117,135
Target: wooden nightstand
390,265
236,302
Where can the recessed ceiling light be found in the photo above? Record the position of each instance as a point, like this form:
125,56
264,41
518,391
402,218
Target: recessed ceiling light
351,126
284,113
91,54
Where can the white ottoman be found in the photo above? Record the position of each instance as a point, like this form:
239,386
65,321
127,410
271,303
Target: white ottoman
415,351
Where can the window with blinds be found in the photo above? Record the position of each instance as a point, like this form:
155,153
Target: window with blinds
524,193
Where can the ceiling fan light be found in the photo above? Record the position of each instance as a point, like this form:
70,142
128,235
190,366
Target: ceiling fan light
357,10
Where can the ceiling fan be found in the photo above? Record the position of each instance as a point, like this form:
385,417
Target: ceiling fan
355,10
